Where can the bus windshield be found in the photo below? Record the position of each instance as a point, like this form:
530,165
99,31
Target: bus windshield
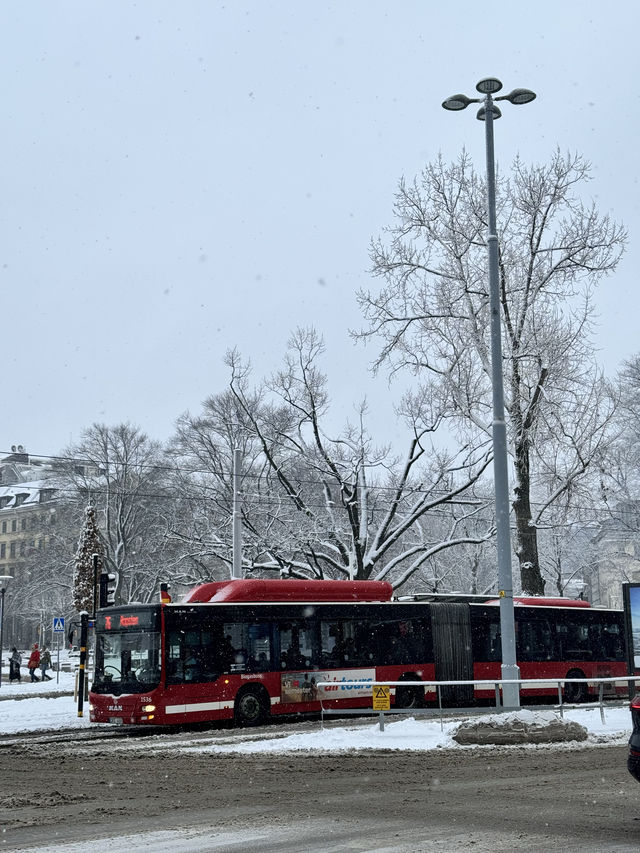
127,662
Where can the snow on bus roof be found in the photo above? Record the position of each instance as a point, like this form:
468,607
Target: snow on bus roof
254,589
249,590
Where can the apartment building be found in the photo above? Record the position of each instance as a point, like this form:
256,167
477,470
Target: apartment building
27,515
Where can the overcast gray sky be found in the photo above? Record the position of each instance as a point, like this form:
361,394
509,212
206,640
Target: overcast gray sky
179,178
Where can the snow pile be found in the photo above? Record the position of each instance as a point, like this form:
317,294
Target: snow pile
402,735
520,727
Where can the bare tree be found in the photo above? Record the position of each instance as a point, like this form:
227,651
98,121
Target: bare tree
320,506
200,456
120,471
432,315
620,482
357,512
618,489
467,568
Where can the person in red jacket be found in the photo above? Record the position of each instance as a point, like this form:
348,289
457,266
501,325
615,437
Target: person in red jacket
34,662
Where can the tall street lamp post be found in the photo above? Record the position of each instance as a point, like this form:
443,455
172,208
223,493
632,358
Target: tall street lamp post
236,572
487,113
4,580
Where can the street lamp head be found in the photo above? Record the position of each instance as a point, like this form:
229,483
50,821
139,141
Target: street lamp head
519,96
482,113
489,86
4,579
457,102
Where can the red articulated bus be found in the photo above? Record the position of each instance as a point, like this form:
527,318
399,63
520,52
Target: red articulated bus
248,649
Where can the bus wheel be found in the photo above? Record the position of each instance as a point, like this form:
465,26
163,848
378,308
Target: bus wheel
410,697
574,694
251,706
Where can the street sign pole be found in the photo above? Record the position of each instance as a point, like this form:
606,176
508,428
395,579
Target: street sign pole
84,630
56,629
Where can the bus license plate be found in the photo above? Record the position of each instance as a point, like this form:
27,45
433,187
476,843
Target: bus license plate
116,721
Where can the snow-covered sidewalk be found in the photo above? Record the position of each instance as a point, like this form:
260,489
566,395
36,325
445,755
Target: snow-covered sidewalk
59,683
25,707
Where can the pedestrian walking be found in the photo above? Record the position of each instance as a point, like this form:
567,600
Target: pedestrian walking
14,665
45,664
34,662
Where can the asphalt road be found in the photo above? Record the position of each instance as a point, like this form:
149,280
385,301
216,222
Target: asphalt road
150,794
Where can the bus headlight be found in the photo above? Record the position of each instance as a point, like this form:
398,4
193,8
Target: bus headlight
148,709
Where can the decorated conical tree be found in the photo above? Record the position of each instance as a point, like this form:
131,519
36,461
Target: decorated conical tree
83,579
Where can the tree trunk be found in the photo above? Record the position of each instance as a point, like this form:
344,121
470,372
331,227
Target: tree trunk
526,533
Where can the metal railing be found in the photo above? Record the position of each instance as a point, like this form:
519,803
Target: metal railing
436,686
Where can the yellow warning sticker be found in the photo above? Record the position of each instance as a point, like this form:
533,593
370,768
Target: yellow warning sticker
381,697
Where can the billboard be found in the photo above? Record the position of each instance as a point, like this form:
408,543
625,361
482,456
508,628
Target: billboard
631,598
301,686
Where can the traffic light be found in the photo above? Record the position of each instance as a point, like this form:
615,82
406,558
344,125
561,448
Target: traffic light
108,584
165,598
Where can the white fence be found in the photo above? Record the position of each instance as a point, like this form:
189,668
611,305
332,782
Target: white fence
436,687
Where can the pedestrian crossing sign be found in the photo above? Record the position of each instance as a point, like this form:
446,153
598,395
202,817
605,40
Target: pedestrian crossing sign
58,624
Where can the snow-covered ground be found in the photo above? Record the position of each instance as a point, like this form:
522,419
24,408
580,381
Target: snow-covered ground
27,710
420,734
23,714
59,681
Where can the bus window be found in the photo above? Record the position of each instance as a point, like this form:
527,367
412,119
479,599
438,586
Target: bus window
259,647
534,639
346,643
485,635
572,633
233,651
127,662
191,656
297,645
244,647
612,645
414,641
402,641
329,634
